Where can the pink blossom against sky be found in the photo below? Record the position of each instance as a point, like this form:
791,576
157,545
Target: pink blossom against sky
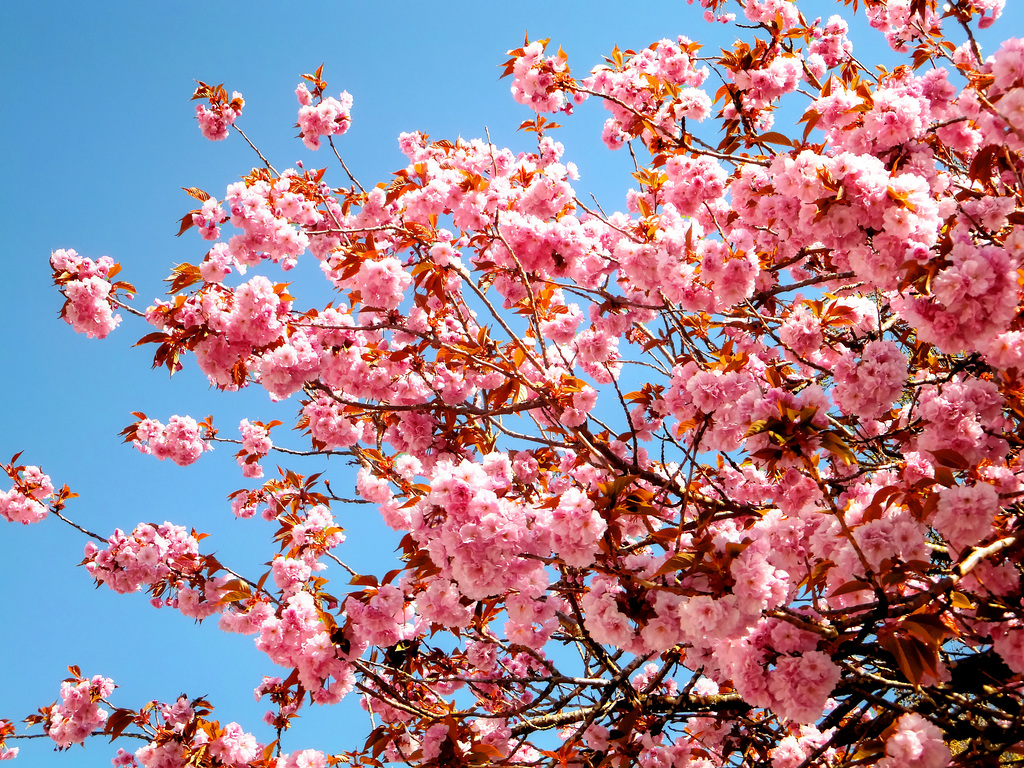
103,174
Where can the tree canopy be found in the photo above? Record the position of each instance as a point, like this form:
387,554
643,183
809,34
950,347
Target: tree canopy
730,476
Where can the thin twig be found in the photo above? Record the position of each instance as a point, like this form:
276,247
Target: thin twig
266,162
330,140
76,525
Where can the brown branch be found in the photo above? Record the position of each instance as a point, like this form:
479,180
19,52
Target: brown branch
86,531
683,704
330,140
254,149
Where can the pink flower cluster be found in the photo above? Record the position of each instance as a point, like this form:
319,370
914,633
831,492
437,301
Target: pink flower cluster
78,714
800,685
382,619
767,11
304,758
895,536
241,320
632,102
1008,642
966,513
794,749
576,528
256,444
285,368
897,209
271,215
382,284
831,43
316,532
179,440
235,747
208,219
917,743
759,87
328,425
902,25
534,79
215,120
86,287
972,300
870,387
475,536
962,415
331,117
148,555
726,394
229,745
24,502
298,638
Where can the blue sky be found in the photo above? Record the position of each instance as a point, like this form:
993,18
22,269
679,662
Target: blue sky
98,138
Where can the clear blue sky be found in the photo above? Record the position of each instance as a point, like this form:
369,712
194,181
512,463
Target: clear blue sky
98,138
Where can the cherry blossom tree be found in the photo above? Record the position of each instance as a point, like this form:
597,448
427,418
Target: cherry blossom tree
731,476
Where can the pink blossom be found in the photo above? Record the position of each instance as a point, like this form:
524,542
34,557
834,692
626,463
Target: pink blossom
88,309
1008,642
965,514
284,369
833,45
800,685
328,425
208,218
170,754
576,528
869,388
668,60
793,750
255,444
148,555
1007,63
290,575
234,747
441,603
78,713
583,402
384,619
959,415
894,536
533,79
372,488
23,503
217,264
331,117
802,332
215,120
179,441
917,743
762,86
1011,108
305,758
694,181
256,315
255,438
382,283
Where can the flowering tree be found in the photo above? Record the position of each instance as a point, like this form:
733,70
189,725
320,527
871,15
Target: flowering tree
731,476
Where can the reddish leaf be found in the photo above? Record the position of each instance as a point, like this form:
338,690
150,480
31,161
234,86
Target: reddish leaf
197,193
